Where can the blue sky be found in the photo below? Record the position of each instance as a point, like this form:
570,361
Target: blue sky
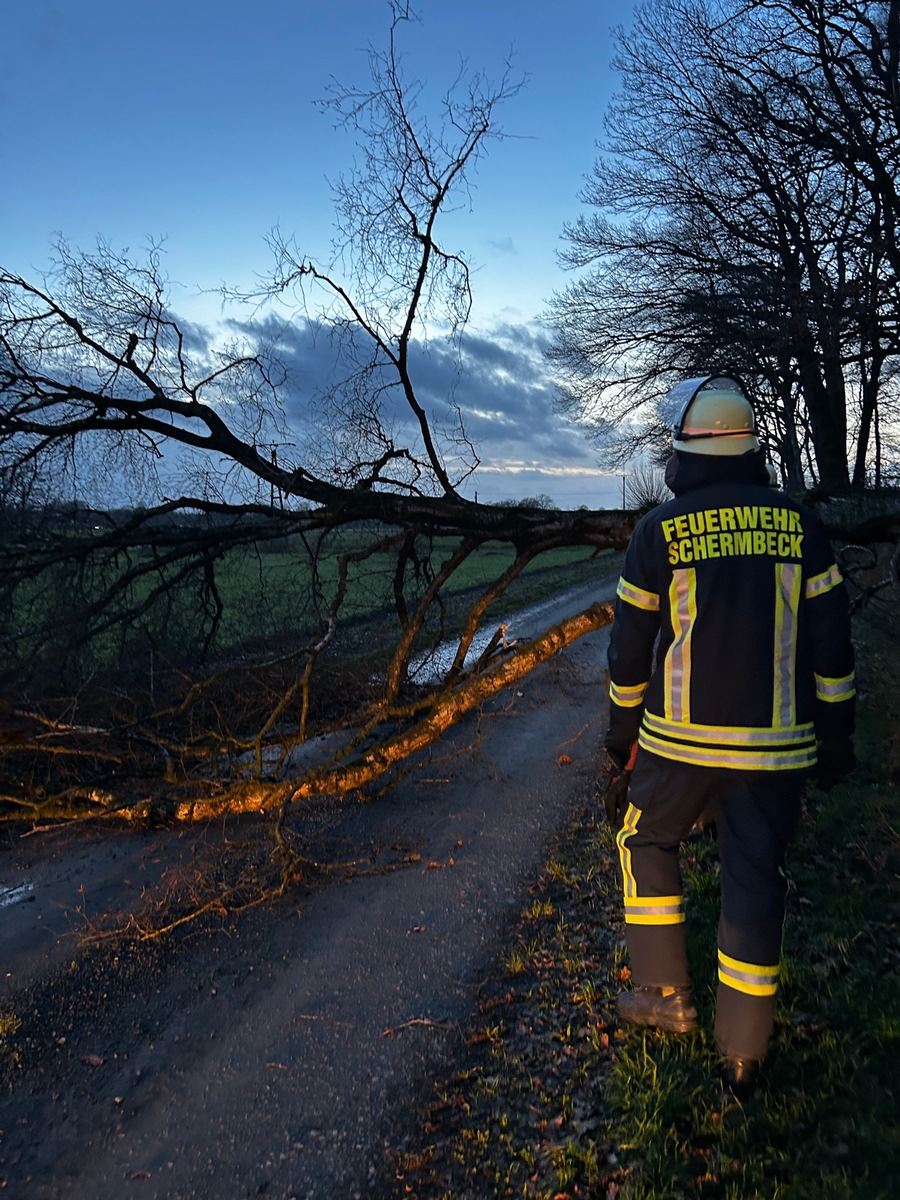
195,122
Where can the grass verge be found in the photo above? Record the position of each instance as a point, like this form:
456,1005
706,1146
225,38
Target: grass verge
549,1100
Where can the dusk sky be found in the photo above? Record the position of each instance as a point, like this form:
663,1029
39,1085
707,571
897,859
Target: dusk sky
195,122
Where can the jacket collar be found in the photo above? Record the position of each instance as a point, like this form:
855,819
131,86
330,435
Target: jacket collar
685,472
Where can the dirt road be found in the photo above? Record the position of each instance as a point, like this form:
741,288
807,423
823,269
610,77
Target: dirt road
282,1054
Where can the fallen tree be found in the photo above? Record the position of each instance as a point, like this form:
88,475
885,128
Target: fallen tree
422,722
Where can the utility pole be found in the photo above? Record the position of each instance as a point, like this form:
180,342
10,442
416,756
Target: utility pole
623,493
273,455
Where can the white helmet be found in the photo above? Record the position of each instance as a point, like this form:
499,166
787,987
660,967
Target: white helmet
715,416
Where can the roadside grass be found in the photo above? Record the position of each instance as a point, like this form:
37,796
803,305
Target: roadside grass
9,1023
551,1101
9,1027
523,1114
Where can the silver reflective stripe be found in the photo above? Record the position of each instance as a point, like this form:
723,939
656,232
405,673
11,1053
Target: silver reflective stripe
749,759
820,584
627,697
750,736
831,690
637,596
629,829
655,910
748,977
787,606
683,609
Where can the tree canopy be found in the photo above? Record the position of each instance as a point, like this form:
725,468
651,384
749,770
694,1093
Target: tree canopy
744,209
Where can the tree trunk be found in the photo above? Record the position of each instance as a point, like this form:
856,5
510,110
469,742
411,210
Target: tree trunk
169,802
870,375
825,396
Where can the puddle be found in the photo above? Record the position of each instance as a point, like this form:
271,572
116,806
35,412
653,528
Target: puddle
15,895
433,666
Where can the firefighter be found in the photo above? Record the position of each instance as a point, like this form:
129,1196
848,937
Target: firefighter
731,675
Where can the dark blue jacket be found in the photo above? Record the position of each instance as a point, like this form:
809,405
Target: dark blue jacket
731,642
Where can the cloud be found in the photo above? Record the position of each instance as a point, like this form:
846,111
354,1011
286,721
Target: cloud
498,379
504,245
567,487
505,391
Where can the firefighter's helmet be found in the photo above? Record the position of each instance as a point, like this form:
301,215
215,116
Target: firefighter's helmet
715,416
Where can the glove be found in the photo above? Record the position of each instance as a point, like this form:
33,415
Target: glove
615,785
835,762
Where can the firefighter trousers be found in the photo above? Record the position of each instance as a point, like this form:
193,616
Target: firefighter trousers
755,816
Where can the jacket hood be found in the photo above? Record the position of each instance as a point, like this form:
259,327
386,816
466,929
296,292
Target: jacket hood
685,471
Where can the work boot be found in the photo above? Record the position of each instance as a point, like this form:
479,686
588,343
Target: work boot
740,1076
668,1008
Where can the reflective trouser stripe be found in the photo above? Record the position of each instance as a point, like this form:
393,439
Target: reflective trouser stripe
629,829
748,977
643,910
654,910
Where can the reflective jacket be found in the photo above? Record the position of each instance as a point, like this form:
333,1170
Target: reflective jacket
731,642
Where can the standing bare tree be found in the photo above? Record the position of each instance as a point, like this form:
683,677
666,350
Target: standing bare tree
392,275
727,228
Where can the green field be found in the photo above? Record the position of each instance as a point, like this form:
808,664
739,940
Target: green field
251,594
283,589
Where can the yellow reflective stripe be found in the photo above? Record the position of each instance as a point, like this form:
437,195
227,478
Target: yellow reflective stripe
654,910
677,667
817,585
787,607
629,828
738,965
748,759
751,736
627,697
640,919
637,596
834,690
751,978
